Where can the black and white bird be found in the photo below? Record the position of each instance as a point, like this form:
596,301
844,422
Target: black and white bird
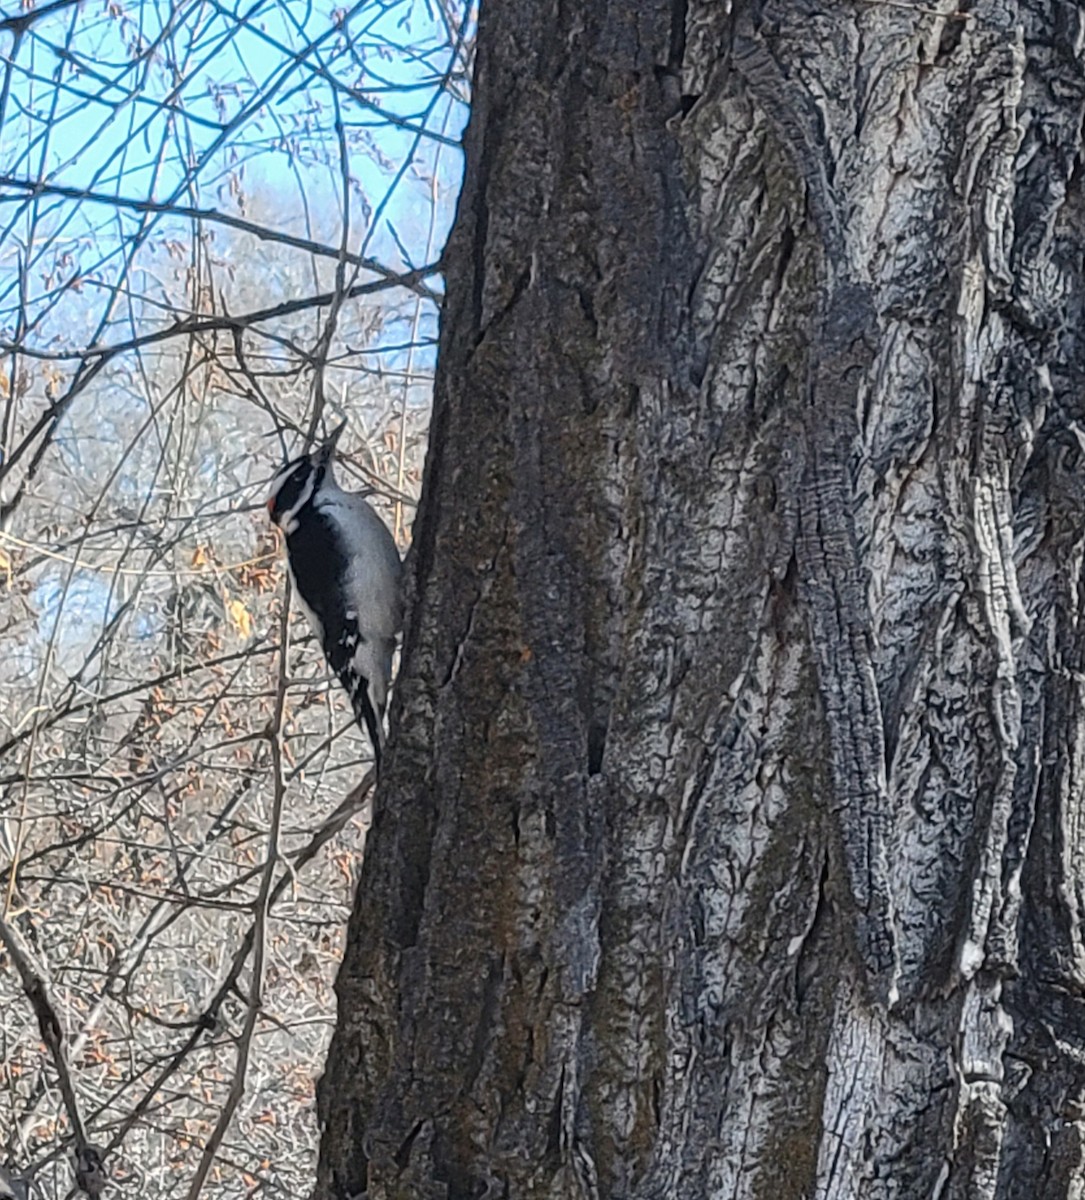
346,572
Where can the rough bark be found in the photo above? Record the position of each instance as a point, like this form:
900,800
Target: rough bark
731,840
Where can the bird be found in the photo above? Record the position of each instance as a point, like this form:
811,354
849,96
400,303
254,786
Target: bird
346,572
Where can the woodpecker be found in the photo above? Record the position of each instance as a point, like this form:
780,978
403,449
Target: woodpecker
346,572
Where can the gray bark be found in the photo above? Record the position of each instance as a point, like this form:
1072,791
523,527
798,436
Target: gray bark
730,843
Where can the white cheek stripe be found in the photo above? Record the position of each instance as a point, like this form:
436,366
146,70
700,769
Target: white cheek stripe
288,521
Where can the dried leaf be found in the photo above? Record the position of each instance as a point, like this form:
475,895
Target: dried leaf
241,617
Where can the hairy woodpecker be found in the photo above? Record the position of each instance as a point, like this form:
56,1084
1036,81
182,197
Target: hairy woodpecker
346,572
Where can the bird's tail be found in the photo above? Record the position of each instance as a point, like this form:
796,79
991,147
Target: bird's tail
368,711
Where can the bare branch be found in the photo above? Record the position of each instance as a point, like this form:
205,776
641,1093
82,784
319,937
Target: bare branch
90,1174
216,217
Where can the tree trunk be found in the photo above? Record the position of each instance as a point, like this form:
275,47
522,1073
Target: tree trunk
730,842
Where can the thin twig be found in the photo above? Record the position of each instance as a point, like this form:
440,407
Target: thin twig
212,215
273,733
90,1174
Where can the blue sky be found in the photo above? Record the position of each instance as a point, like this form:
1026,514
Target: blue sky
213,106
237,108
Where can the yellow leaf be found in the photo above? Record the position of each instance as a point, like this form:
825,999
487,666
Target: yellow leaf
241,618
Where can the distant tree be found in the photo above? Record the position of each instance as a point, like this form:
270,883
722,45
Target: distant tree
731,840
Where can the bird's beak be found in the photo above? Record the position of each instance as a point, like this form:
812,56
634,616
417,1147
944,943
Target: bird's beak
324,453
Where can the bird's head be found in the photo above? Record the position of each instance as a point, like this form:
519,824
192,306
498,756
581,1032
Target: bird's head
293,487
